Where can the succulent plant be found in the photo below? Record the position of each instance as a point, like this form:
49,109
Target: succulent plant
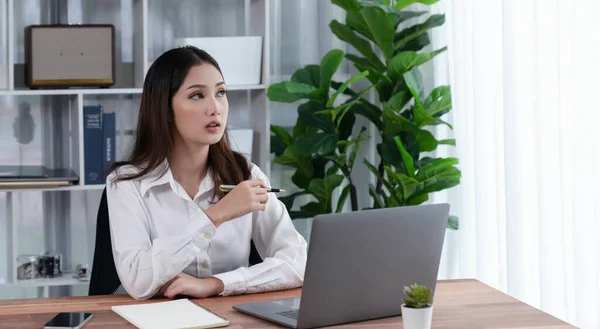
417,296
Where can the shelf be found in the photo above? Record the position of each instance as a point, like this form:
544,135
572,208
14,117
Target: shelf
83,91
106,91
66,280
58,188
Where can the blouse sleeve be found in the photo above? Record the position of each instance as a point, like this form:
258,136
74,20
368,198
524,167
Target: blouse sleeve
282,248
144,264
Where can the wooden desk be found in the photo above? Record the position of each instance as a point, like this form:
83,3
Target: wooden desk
458,304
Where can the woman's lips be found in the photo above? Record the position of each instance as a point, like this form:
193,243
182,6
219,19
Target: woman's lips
213,127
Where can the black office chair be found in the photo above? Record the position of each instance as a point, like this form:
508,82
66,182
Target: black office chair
104,279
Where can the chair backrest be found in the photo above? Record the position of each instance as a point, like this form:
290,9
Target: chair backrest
104,279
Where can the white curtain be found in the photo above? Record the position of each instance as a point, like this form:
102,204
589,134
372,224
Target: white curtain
524,77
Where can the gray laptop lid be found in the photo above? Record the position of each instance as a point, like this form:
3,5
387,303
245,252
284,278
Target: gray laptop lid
359,262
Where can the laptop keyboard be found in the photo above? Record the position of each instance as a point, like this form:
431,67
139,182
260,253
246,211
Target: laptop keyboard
292,314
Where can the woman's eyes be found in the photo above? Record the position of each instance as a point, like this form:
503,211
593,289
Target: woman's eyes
200,96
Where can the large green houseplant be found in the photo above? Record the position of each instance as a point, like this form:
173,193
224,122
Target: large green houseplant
320,147
391,49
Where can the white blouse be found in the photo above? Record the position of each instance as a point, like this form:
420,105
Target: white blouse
158,231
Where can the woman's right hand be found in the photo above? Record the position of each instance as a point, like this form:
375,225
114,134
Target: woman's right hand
246,197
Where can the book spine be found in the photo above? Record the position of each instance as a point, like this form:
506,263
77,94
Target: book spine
92,144
108,142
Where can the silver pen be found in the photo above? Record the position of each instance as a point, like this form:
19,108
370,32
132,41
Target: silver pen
227,188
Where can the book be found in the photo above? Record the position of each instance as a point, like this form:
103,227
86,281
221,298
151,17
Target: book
176,314
109,123
92,136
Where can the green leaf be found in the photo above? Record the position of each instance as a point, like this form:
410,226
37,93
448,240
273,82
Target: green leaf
427,142
319,143
312,209
416,44
289,91
332,182
435,167
453,222
383,181
401,4
288,200
331,171
345,33
304,166
277,145
408,185
447,142
282,133
398,100
344,86
381,29
421,117
310,75
346,107
362,64
356,141
439,101
395,124
303,127
406,158
322,189
342,198
406,60
329,65
369,111
306,112
339,161
441,181
356,21
375,2
417,30
404,15
413,87
336,85
347,4
417,200
346,126
377,202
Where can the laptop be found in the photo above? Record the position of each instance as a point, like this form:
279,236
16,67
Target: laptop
358,265
36,174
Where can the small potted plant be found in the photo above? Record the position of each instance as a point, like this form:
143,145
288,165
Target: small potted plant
417,309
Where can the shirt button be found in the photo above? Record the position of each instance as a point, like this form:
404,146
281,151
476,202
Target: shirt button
207,235
194,208
204,265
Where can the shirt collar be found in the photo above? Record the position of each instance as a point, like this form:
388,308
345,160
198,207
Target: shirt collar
159,176
163,175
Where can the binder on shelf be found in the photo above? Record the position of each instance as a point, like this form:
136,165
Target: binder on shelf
109,123
99,134
92,145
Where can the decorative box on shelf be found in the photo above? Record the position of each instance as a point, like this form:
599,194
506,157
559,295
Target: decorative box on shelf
70,55
240,58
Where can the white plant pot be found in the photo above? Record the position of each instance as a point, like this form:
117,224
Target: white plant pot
240,58
416,318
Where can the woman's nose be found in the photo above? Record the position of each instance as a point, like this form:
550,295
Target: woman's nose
213,108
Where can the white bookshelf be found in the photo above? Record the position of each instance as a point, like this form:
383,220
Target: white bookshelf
143,30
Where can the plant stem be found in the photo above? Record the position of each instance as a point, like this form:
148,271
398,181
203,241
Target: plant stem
381,173
353,197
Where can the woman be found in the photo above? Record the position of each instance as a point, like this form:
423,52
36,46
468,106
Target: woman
173,231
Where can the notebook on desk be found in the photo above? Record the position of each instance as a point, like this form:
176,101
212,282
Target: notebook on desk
176,314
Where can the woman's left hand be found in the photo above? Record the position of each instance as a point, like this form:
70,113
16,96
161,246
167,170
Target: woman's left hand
187,285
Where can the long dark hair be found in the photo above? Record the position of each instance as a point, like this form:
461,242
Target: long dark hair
156,128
